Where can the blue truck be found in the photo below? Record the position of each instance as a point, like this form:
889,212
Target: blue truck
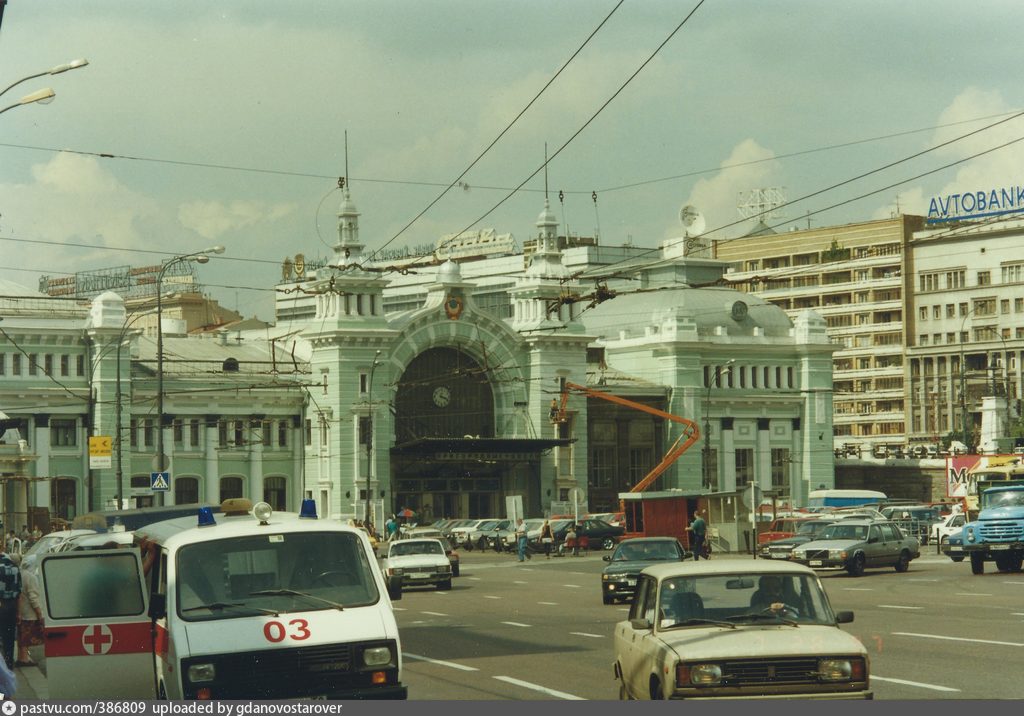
997,535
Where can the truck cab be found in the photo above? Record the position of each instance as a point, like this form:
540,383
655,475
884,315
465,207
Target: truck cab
998,533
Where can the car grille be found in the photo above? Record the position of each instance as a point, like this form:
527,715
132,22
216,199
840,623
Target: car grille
776,671
780,550
817,554
1000,530
274,673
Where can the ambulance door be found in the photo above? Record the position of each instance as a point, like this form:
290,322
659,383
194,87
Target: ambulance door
98,634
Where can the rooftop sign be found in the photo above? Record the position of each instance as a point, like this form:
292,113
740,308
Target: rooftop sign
975,205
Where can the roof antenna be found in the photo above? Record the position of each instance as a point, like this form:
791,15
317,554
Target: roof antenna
545,170
346,160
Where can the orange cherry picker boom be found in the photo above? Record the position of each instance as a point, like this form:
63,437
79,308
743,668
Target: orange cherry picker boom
645,518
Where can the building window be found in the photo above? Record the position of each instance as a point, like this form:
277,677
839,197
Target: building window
186,490
147,433
33,363
744,466
602,466
984,307
955,279
282,433
364,382
133,433
1018,305
274,489
1004,306
65,365
962,309
922,340
950,310
265,427
364,431
63,432
780,470
929,282
3,363
984,278
640,463
924,313
193,433
936,312
308,430
80,366
48,363
222,433
1013,273
323,430
15,364
789,377
230,488
178,431
239,434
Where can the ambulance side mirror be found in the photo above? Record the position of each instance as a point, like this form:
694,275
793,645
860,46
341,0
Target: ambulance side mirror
157,606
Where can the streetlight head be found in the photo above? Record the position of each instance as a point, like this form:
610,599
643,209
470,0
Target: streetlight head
201,259
73,65
43,96
214,250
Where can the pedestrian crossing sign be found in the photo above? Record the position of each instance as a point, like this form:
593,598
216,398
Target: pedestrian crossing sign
160,481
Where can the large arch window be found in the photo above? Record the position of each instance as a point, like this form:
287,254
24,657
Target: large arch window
444,393
230,487
186,490
274,492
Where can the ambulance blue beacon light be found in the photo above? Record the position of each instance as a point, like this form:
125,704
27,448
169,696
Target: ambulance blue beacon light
308,510
206,517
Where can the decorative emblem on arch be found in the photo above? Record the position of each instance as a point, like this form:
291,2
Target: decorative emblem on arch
453,307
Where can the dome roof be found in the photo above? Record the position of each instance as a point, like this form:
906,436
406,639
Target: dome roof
449,272
708,308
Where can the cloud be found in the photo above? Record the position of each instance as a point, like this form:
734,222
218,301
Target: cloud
213,219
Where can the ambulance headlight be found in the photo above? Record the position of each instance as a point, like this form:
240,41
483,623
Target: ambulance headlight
201,673
262,511
377,656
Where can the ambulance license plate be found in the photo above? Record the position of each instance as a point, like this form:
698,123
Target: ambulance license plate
815,563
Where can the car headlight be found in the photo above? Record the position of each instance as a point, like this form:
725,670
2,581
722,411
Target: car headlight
201,673
841,669
798,554
396,571
837,554
445,568
698,674
377,656
970,534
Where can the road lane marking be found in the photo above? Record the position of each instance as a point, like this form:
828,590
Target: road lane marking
475,579
519,581
491,596
934,687
434,614
542,689
858,589
439,662
1013,582
896,606
922,580
957,638
549,604
572,586
583,633
517,624
971,594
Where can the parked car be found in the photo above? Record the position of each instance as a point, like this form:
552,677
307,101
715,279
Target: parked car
953,547
856,545
699,630
632,556
460,535
481,535
915,520
952,525
615,519
780,528
418,562
103,540
593,534
50,542
807,531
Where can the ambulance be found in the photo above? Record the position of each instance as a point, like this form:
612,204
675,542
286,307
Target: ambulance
245,604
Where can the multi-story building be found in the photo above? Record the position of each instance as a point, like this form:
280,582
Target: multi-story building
855,276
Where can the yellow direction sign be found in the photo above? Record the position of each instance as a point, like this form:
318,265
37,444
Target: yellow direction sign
100,452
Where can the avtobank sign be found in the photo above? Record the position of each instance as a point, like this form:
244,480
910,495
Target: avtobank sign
990,202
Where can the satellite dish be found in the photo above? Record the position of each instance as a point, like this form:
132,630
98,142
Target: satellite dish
692,220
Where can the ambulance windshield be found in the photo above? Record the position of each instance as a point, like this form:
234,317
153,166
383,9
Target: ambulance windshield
273,572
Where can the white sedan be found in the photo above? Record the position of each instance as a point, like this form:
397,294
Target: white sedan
728,629
417,562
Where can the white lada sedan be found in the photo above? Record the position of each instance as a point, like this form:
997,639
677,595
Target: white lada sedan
736,629
418,562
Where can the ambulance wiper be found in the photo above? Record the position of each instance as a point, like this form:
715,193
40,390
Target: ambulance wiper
294,593
218,606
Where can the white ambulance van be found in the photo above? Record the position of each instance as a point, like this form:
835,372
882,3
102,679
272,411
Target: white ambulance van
246,604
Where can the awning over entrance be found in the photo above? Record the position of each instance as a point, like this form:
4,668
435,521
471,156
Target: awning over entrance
459,449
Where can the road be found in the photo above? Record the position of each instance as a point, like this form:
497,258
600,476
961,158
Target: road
538,630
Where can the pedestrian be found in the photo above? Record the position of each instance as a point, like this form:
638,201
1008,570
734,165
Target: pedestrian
13,545
10,590
547,538
521,539
391,527
572,541
30,617
699,529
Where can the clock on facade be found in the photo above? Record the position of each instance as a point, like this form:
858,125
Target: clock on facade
442,396
739,311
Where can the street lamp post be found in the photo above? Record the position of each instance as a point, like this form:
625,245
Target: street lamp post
199,257
712,380
118,410
369,436
44,95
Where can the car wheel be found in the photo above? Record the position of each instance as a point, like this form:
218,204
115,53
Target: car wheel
856,566
1003,562
903,562
455,570
608,543
444,586
607,598
656,694
977,563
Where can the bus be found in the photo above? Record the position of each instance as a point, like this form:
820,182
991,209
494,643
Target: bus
819,500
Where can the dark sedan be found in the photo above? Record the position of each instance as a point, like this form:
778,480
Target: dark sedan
590,534
618,580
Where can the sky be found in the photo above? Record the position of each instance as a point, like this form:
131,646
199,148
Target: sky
224,122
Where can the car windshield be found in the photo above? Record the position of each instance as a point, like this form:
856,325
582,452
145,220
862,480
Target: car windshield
45,544
313,566
1008,498
811,528
404,549
841,531
740,599
645,551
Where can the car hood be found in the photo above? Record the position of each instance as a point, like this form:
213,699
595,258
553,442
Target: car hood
831,544
789,540
633,566
760,641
